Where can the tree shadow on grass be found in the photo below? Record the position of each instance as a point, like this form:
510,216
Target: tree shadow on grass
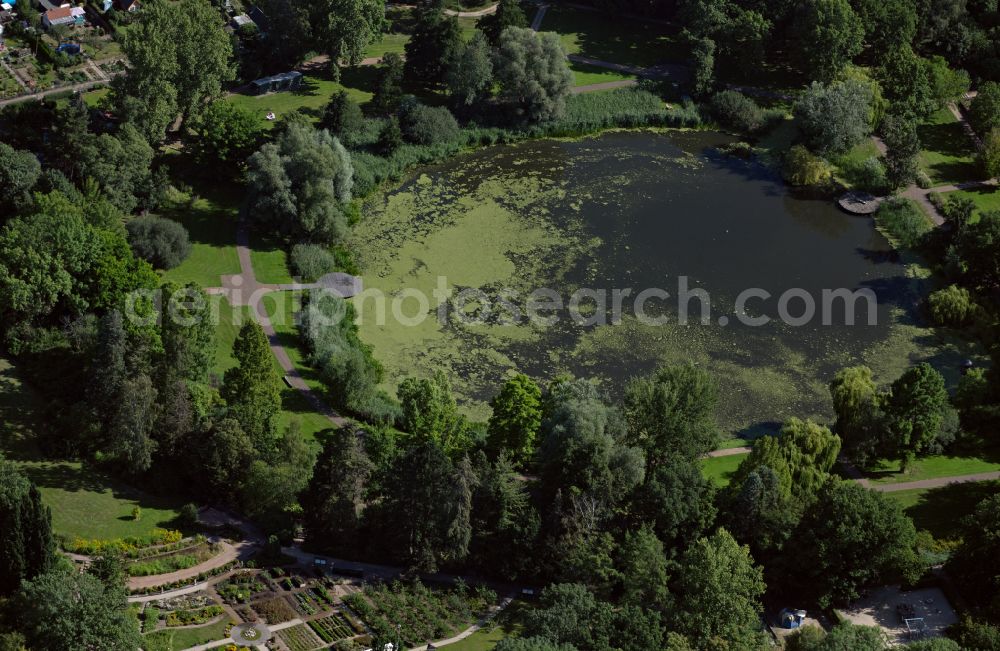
359,77
948,139
941,510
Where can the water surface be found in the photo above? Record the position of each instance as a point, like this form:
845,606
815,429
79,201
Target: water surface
637,210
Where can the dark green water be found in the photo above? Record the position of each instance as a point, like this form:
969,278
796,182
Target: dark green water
652,208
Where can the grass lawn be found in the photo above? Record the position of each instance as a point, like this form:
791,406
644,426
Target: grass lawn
720,469
227,327
314,94
92,98
293,404
584,75
948,155
986,199
940,510
184,638
390,42
85,503
509,623
848,165
933,467
619,40
282,309
728,444
211,225
270,262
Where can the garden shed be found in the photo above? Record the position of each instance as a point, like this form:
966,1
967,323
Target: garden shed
275,83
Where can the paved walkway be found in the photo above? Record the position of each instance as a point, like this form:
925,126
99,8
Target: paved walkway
169,594
228,554
536,23
921,195
467,632
728,452
604,85
478,13
931,483
253,292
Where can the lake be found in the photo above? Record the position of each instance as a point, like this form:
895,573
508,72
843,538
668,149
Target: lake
636,211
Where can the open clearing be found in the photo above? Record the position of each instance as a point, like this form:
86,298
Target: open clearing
986,199
941,510
69,488
880,609
948,155
720,469
933,467
606,37
211,224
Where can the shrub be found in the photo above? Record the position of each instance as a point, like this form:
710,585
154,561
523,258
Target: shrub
984,112
310,261
345,363
736,111
342,115
951,306
427,125
804,168
391,137
189,515
188,617
871,176
161,242
902,222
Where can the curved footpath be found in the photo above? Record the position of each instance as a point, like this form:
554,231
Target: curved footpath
228,554
856,475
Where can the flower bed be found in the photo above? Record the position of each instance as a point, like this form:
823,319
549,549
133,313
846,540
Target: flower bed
275,610
190,617
125,546
332,629
167,563
240,588
191,601
173,585
300,638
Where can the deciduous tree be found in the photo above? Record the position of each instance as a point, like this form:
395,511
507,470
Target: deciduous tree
718,592
851,537
533,74
670,414
829,35
516,419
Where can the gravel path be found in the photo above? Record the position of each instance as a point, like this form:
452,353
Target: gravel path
728,452
252,294
933,483
229,553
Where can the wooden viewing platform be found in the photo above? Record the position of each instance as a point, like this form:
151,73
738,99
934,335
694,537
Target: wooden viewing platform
860,203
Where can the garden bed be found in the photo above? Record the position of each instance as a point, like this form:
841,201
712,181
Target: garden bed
193,617
333,628
275,610
300,638
421,614
173,562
